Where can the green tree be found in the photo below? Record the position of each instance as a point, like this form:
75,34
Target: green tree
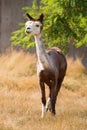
64,20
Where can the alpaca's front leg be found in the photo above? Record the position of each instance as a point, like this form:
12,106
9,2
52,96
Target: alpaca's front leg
48,104
42,86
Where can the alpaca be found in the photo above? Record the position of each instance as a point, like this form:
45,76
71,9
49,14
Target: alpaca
51,65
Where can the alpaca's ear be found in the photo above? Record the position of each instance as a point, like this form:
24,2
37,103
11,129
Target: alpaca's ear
29,17
41,18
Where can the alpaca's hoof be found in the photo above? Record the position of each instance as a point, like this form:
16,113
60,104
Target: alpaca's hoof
53,113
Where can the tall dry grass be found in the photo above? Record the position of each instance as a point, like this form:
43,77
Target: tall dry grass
20,104
17,69
76,76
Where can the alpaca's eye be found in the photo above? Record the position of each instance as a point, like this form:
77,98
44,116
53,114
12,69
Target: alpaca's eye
37,25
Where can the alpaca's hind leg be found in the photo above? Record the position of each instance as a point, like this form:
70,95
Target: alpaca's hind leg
54,92
59,83
54,95
53,102
42,86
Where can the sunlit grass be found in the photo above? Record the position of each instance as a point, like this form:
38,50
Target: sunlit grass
20,97
76,75
17,64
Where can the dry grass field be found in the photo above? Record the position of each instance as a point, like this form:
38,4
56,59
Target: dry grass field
20,97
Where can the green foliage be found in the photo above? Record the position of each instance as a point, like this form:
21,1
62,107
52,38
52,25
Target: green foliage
64,20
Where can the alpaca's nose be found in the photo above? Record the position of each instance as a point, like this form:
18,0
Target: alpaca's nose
28,28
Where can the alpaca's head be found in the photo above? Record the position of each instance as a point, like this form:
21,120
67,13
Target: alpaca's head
34,26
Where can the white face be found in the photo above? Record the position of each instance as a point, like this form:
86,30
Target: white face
33,27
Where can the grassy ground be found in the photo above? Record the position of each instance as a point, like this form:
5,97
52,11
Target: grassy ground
20,97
